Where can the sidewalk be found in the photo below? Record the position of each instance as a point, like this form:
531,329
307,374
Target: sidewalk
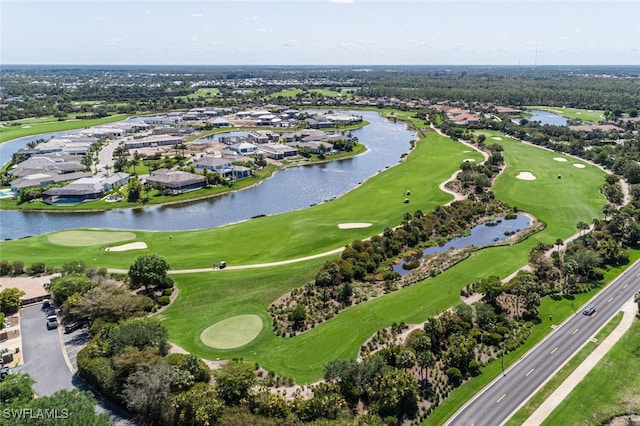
629,309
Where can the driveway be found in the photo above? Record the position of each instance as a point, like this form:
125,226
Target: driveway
43,353
47,362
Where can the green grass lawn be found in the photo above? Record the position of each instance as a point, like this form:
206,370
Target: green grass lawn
610,389
39,126
588,115
205,92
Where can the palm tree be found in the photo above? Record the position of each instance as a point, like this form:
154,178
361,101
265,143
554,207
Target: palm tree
106,169
135,160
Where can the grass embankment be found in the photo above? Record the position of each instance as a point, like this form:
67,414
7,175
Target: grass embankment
588,115
51,124
543,394
612,387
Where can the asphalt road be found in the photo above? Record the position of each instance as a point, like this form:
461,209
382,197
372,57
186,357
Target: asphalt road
42,353
502,397
44,361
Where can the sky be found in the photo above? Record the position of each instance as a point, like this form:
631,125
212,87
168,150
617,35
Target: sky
320,32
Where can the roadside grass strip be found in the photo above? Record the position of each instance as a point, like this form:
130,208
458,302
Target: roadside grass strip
86,238
611,388
232,332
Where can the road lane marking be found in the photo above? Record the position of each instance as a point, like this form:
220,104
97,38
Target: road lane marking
626,285
575,331
610,299
554,349
500,399
529,372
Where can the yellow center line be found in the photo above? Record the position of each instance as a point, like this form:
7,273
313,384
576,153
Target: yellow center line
529,372
554,349
500,399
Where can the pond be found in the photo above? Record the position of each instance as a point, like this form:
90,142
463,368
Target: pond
482,235
287,190
545,117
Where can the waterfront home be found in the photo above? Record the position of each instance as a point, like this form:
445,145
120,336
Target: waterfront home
221,165
175,181
84,189
37,180
244,148
277,151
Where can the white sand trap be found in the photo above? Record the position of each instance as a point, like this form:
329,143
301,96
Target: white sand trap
354,225
466,152
26,127
562,160
130,246
469,160
578,165
526,176
496,138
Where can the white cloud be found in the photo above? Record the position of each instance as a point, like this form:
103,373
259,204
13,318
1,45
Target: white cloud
197,15
115,42
148,12
342,1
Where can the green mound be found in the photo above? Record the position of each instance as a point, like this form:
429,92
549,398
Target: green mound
232,332
84,238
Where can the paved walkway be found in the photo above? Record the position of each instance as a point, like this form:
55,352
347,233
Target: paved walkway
630,309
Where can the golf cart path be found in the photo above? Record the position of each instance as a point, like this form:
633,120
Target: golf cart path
255,265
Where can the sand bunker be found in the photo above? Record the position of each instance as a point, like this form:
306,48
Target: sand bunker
469,160
562,160
130,246
578,165
496,138
354,225
526,176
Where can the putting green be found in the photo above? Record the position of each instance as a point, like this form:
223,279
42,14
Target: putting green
83,238
232,332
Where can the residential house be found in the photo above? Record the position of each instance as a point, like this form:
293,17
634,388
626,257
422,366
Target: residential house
277,151
37,180
176,181
244,148
79,191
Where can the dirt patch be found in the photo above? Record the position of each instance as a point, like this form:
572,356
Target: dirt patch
32,286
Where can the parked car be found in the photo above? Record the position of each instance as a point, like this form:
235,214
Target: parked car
72,326
52,322
589,309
